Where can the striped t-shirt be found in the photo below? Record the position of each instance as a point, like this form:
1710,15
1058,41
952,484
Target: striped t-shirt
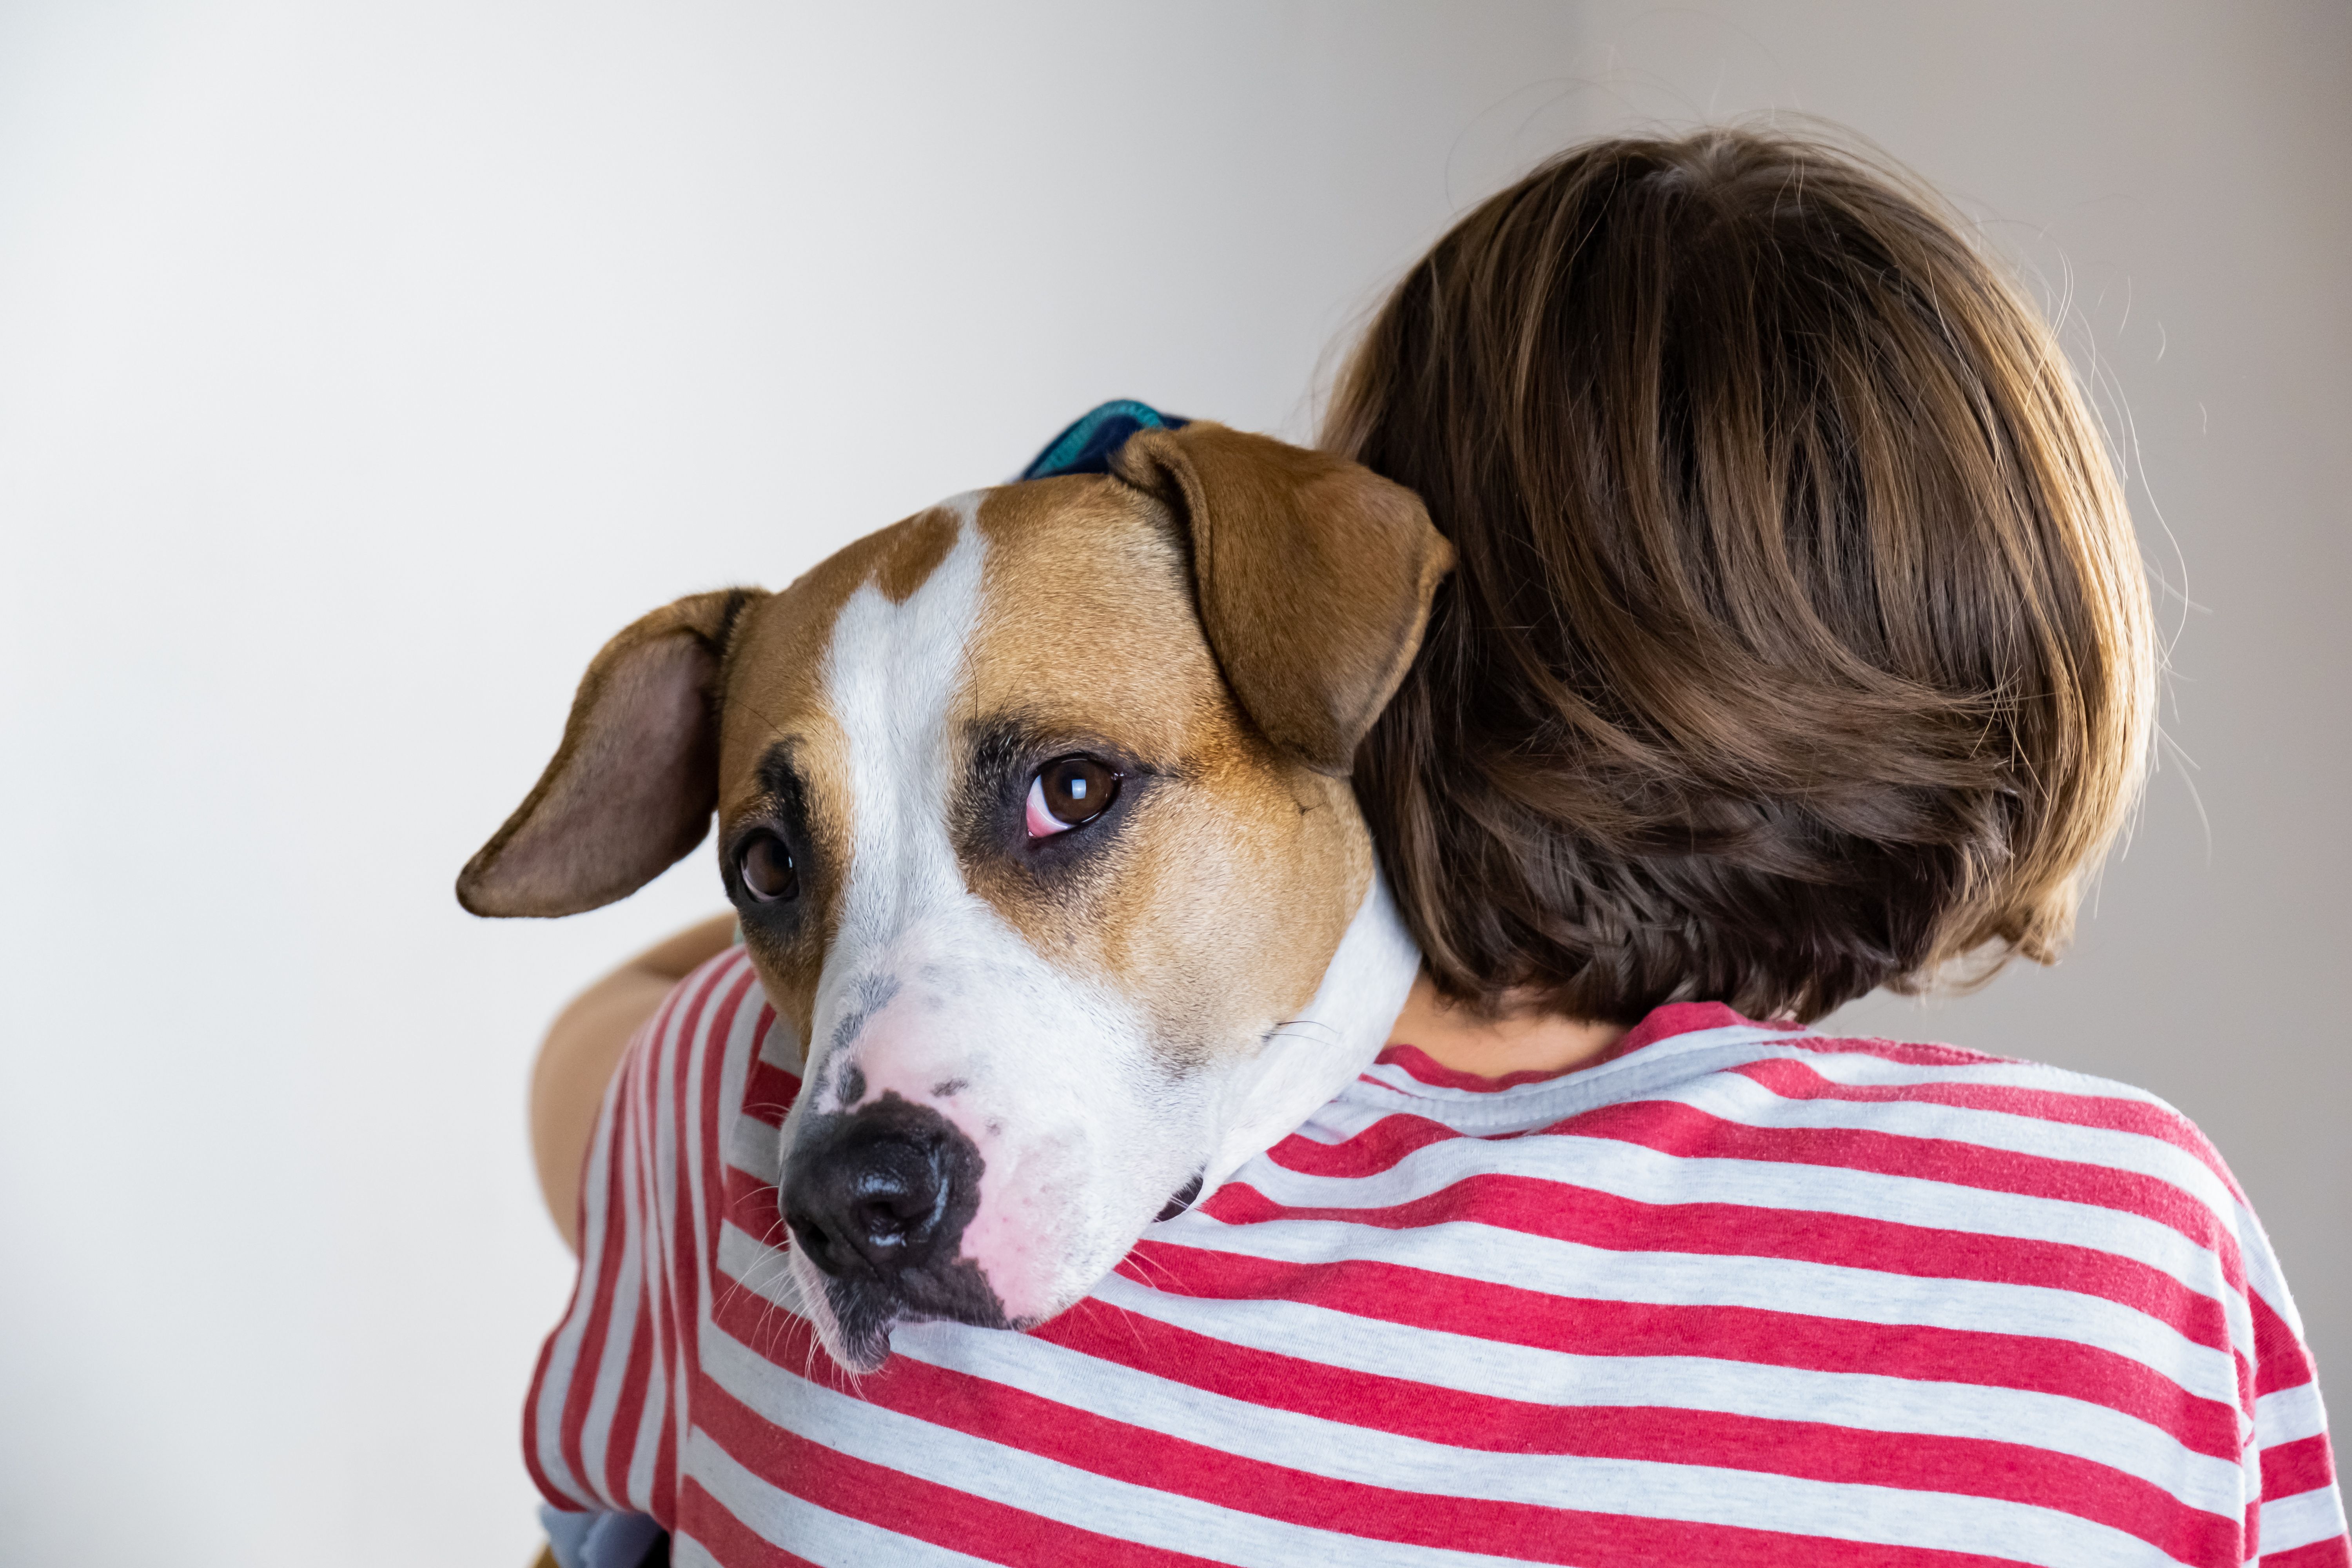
1738,1295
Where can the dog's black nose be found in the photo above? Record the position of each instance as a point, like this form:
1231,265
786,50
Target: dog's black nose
882,1194
877,1202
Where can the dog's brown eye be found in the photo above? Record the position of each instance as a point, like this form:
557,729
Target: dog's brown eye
1068,792
767,869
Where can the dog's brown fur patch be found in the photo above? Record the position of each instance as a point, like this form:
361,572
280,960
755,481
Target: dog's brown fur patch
1219,903
910,561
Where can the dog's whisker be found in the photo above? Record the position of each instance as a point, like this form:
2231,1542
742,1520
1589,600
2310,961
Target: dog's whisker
1150,1283
1142,1347
1284,1029
778,1259
1150,1265
734,701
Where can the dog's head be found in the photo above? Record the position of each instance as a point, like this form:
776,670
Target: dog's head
1035,808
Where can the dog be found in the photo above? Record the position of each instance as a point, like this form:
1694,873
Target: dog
1035,809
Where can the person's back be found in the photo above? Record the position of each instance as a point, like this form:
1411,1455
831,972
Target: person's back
1797,645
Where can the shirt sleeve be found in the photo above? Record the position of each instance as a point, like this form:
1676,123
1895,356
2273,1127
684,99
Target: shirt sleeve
612,1395
2295,1513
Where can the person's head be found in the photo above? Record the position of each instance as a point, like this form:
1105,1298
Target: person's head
1799,643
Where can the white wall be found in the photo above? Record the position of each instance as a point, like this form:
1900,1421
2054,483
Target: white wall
363,366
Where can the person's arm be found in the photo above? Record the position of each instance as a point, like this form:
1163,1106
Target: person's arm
584,1045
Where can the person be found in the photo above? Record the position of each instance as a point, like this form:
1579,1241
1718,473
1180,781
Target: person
1797,645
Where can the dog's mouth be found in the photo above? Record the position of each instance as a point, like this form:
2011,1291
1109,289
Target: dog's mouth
1182,1198
864,1310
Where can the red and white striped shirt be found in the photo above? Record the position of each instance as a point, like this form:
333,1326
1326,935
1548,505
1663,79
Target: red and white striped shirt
1739,1295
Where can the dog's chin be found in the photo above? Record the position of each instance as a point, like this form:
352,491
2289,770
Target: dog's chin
860,1339
853,1318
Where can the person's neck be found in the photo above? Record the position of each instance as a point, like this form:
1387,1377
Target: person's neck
1518,1039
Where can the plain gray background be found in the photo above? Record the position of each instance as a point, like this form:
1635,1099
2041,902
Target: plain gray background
363,366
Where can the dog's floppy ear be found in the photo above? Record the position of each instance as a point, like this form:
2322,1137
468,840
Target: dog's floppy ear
631,789
1314,576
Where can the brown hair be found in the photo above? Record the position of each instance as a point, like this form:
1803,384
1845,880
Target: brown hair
1798,642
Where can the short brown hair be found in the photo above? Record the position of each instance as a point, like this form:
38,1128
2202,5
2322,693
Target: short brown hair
1798,642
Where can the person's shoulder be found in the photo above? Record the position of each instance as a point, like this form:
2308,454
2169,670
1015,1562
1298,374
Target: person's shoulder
1933,1071
734,959
722,970
717,1003
2001,1104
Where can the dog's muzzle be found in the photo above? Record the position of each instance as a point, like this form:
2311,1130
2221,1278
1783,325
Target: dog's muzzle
877,1198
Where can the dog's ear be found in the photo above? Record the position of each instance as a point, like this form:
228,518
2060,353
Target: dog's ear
1314,576
632,787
